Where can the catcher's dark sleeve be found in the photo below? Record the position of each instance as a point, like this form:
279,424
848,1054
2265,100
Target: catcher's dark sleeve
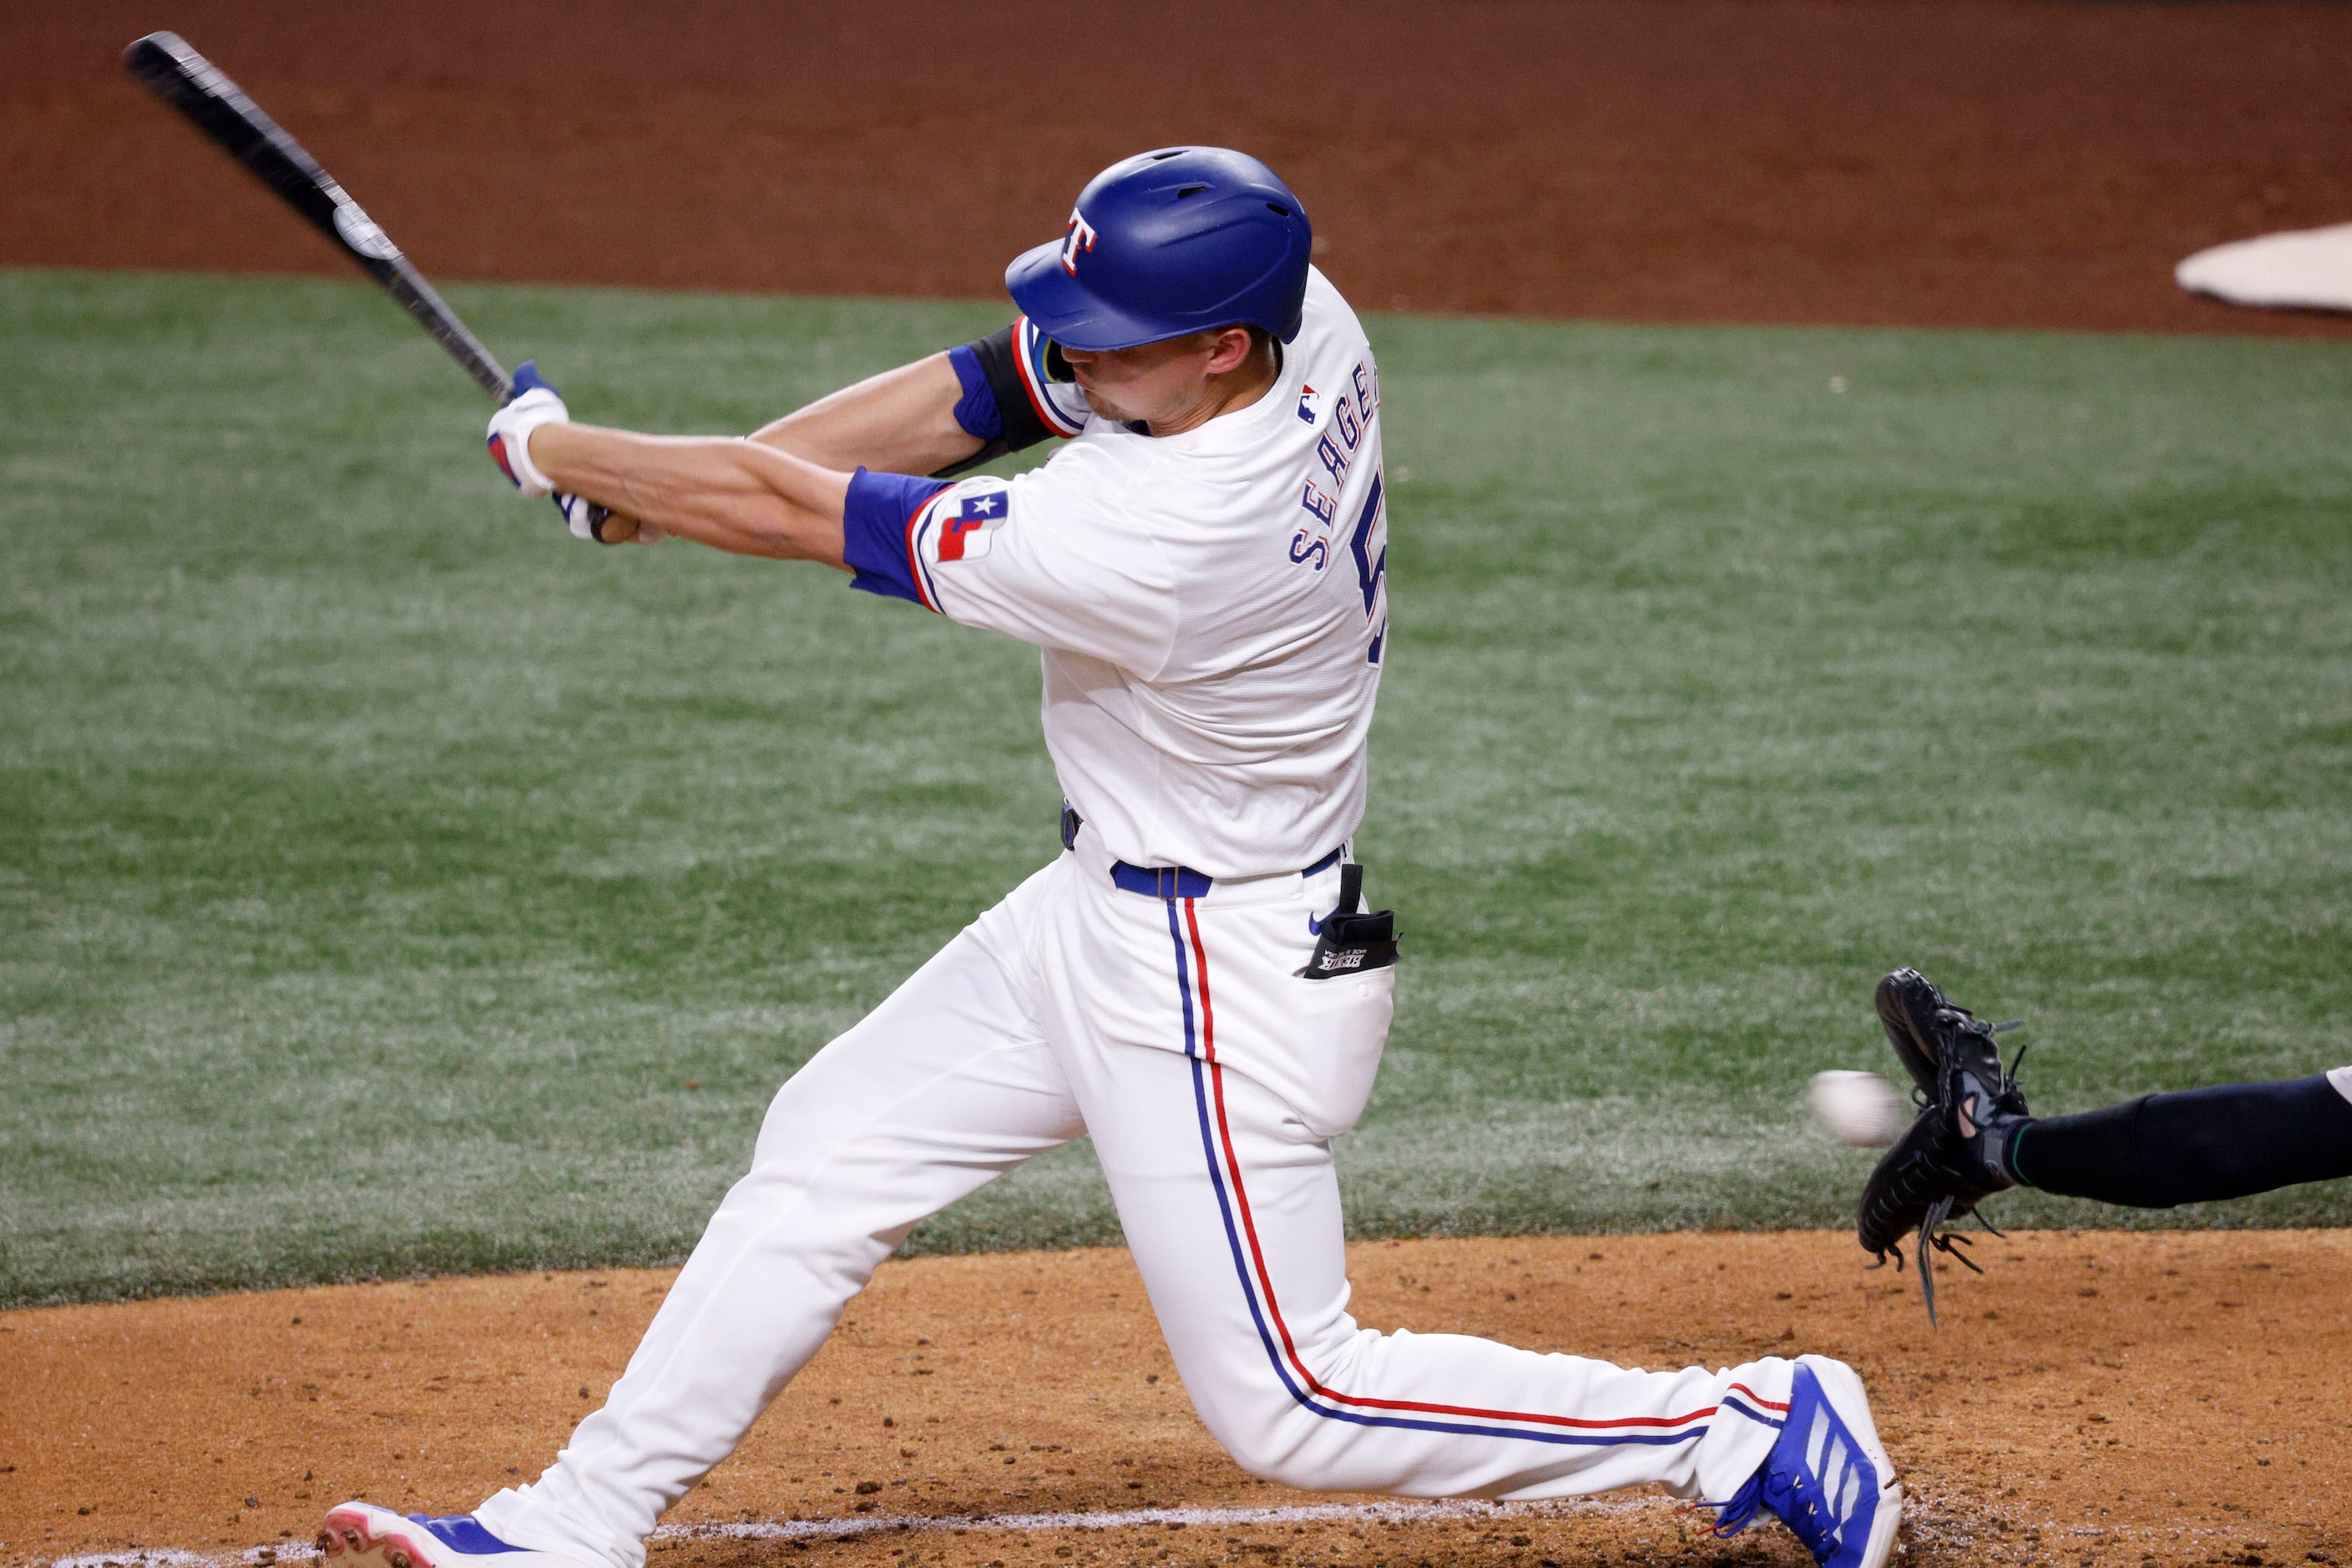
2194,1147
994,405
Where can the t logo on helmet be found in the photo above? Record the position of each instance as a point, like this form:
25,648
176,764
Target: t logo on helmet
1183,240
1081,237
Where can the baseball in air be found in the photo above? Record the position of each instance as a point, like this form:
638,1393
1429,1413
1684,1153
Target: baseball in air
1858,1108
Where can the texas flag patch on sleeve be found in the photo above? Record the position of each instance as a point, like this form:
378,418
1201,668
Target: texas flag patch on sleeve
965,531
957,524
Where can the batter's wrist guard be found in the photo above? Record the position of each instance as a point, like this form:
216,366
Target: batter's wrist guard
994,407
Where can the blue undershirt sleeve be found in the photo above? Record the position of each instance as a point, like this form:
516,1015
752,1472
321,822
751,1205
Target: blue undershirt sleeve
874,529
976,410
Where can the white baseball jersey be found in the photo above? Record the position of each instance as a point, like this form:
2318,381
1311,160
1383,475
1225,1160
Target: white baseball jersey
1210,606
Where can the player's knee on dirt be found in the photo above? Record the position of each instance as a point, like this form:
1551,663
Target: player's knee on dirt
1295,1450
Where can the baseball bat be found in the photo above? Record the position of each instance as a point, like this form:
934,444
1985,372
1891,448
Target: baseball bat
191,84
216,106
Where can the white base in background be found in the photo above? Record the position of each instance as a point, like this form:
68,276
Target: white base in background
2308,268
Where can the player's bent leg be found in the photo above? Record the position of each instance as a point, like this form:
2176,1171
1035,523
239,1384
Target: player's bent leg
1234,1222
1228,1196
945,1085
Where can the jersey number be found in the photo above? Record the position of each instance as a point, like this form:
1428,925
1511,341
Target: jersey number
1371,567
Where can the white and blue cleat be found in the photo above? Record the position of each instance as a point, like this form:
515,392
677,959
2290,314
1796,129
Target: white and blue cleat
362,1535
1828,1477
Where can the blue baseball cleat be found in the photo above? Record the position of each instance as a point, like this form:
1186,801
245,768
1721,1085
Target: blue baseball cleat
362,1535
1827,1478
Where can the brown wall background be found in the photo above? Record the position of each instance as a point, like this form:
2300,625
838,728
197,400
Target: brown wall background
1951,161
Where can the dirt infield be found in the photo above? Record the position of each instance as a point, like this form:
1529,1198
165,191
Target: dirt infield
2099,1398
1915,162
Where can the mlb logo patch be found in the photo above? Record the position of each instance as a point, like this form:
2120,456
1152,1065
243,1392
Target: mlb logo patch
966,534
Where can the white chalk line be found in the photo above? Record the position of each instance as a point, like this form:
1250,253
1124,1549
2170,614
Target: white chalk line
878,1524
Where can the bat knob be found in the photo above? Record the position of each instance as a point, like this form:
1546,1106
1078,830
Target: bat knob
609,527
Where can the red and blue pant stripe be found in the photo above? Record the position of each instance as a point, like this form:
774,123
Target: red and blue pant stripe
1227,1178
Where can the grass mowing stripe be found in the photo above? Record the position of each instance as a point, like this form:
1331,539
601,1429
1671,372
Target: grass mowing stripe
380,870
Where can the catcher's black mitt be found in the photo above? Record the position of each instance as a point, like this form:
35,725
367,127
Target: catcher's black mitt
1955,1151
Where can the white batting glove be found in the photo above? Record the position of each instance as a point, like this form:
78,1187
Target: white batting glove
587,520
532,404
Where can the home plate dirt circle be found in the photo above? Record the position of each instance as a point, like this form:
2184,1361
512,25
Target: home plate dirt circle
2099,1397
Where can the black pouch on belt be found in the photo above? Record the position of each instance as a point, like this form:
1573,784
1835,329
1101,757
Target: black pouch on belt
1352,939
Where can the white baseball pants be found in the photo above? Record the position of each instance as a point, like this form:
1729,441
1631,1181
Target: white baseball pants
1211,1079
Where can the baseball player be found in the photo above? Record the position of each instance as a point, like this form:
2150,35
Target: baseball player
1194,981
1974,1135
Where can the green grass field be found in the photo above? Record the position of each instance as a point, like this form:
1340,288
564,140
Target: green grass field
387,883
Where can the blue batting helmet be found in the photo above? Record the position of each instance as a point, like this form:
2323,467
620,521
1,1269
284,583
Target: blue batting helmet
1166,243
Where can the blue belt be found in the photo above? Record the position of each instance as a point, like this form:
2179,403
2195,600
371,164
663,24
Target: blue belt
1169,881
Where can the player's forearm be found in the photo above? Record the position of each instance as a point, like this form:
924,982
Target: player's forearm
901,422
738,496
